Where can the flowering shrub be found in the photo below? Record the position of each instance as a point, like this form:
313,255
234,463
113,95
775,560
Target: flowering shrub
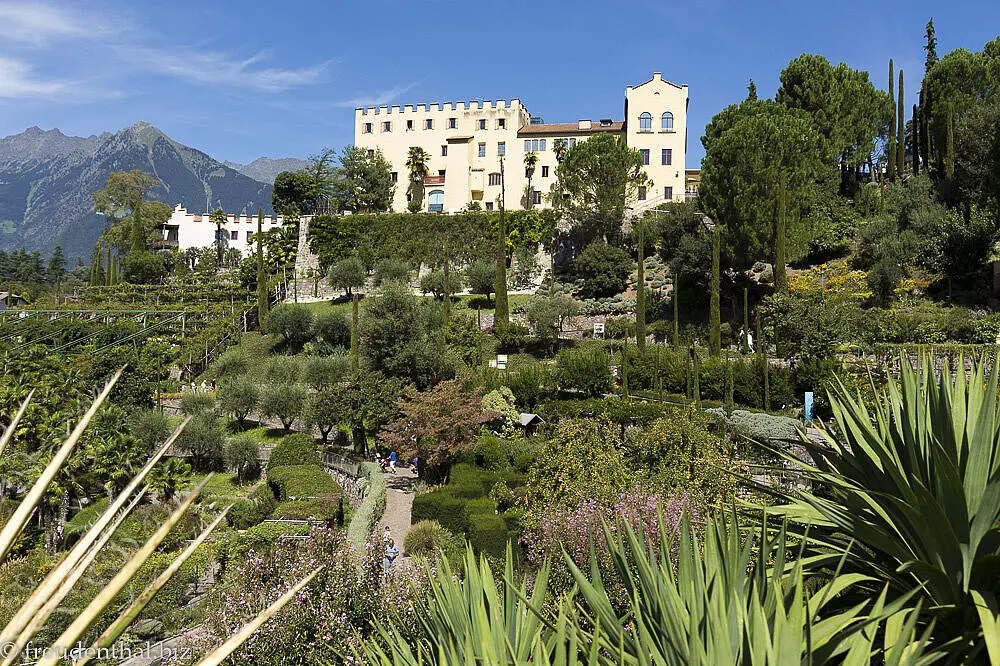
576,530
334,610
832,278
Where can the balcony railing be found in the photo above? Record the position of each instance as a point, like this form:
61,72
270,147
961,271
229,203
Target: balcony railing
433,180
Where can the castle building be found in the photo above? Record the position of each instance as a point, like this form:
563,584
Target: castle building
186,230
466,141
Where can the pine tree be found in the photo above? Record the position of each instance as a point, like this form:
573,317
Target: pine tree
891,147
752,90
900,130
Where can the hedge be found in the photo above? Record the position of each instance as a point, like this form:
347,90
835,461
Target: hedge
372,507
778,431
301,482
488,533
329,508
442,506
253,510
295,449
261,538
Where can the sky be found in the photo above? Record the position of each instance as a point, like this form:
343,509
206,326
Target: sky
252,78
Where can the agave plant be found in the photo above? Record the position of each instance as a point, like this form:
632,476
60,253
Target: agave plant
730,599
47,596
916,484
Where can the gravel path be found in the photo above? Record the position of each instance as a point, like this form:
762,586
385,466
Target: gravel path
397,506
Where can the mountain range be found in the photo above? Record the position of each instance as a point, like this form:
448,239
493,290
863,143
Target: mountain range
47,179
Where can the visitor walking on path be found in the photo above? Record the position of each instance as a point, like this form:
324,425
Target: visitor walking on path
392,462
391,552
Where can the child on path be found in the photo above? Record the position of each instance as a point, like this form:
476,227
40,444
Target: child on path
390,556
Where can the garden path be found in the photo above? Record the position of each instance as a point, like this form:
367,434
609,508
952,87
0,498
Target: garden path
398,504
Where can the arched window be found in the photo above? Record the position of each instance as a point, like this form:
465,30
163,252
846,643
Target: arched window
645,122
667,122
435,201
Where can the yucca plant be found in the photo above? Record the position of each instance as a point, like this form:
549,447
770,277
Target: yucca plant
480,620
729,598
909,494
54,588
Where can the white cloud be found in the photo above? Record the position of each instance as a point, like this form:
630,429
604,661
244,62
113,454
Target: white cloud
17,80
217,68
377,99
39,22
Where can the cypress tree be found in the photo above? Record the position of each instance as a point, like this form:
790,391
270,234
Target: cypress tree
900,130
673,296
915,140
891,147
696,377
949,145
925,127
501,314
108,270
780,277
625,367
730,403
752,90
714,316
262,293
640,294
746,312
354,331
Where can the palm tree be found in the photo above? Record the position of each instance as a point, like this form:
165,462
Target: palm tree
218,218
416,161
530,160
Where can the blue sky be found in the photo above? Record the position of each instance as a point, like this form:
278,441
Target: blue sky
250,78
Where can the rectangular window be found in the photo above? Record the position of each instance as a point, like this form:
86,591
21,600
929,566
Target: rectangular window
667,156
536,197
234,235
482,123
409,125
489,205
482,150
494,179
387,126
541,144
642,193
249,236
501,123
572,142
429,123
368,128
371,153
668,193
395,177
545,172
645,155
441,172
452,123
444,151
501,149
527,145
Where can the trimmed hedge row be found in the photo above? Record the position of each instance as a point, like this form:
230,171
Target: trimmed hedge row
294,449
301,482
329,508
463,507
371,509
253,510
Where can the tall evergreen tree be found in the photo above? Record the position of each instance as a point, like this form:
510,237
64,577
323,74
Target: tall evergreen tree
890,167
752,89
714,315
930,46
501,312
915,140
900,130
262,293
